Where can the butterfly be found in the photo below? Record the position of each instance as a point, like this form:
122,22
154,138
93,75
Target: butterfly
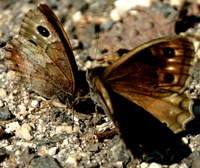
154,77
41,56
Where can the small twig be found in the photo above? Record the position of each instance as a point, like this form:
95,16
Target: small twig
106,134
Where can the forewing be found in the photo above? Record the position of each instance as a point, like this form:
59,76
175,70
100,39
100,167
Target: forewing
158,68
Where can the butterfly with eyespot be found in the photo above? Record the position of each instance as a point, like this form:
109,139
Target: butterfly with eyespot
41,56
153,76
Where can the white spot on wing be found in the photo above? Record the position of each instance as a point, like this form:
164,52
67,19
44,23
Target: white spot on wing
170,68
34,37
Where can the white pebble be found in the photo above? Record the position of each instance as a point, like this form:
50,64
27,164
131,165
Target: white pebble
185,140
196,45
52,151
12,127
73,159
123,6
68,129
175,165
41,127
144,165
11,76
35,103
155,165
23,112
74,43
3,93
77,16
177,3
24,132
9,148
65,142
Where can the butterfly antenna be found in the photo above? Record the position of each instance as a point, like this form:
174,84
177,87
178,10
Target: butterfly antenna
95,54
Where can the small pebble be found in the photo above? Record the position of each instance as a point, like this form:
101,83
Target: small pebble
23,112
175,165
67,129
2,76
11,76
3,93
4,113
2,53
43,150
196,45
52,151
12,127
177,3
123,6
2,68
107,25
24,132
73,160
35,103
184,165
74,43
185,140
9,148
155,165
77,16
144,165
41,127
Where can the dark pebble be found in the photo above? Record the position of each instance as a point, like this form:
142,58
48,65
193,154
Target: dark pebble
4,114
44,162
27,156
107,25
193,160
65,119
93,147
117,151
56,112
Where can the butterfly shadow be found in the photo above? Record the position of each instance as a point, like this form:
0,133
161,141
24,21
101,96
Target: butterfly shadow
143,134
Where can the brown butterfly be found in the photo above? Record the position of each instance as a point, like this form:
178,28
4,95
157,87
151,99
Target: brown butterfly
41,56
154,76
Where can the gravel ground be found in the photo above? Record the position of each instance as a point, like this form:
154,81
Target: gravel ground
33,130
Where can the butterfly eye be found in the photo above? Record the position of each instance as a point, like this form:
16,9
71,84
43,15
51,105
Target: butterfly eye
168,52
169,78
43,31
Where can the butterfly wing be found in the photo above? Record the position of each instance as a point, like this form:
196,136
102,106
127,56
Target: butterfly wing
41,55
155,76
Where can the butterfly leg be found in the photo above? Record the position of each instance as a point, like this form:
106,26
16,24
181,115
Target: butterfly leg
95,121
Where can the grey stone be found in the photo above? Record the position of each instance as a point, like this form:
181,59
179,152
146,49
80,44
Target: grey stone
107,25
44,162
117,151
4,114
